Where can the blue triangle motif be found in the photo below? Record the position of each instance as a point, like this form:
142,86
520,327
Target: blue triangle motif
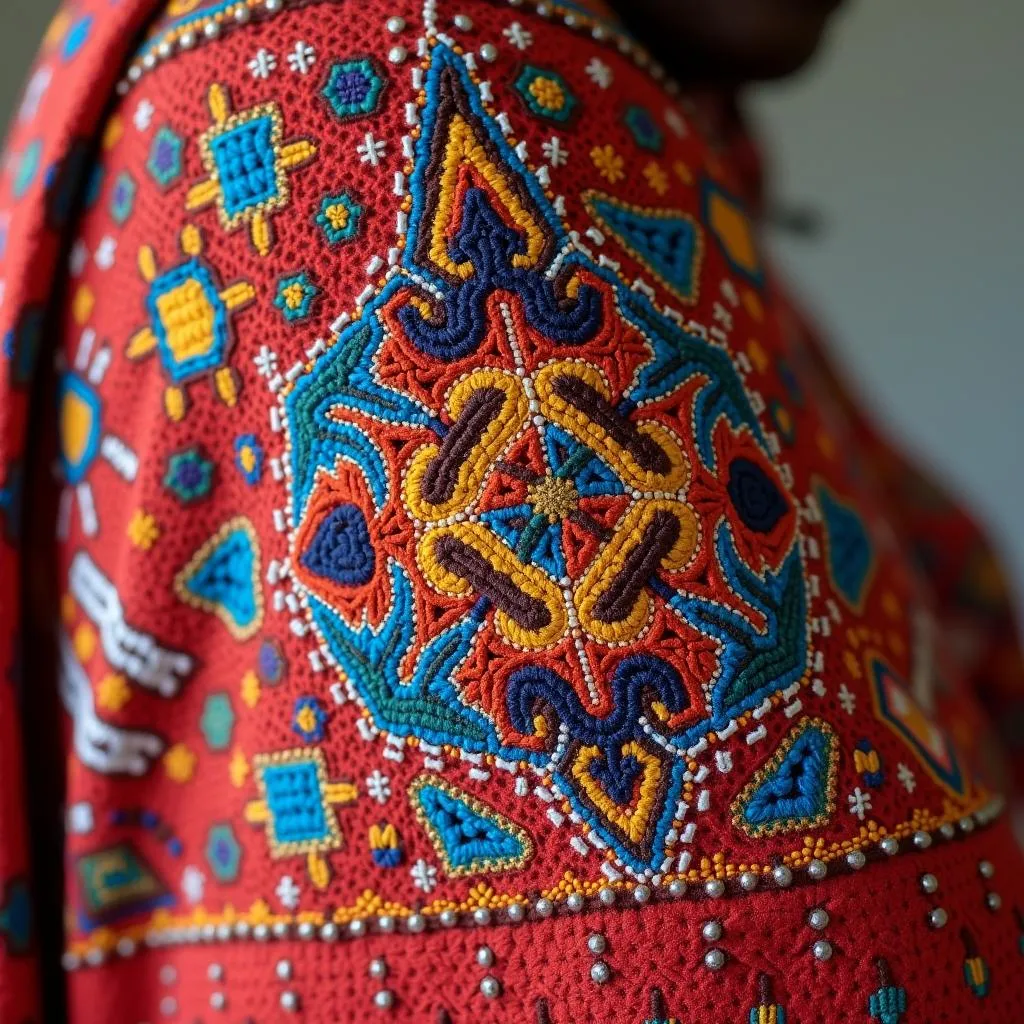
667,241
469,837
850,555
508,523
223,578
796,789
593,478
548,552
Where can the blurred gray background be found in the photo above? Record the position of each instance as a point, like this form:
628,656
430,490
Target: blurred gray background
907,134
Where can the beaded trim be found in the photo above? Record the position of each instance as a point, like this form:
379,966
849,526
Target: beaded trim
209,25
374,918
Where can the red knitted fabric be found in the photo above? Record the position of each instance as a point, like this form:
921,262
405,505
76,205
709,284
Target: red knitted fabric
477,600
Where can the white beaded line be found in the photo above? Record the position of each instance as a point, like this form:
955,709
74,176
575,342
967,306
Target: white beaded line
782,877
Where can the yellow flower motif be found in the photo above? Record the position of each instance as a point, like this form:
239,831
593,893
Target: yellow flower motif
306,719
251,689
609,163
294,295
85,642
143,530
338,216
238,769
113,692
656,177
180,763
548,93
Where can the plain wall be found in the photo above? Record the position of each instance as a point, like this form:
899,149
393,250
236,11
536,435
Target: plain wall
908,135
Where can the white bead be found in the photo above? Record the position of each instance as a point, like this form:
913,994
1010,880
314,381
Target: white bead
242,14
642,893
516,912
890,846
357,928
463,22
856,859
715,888
714,959
485,956
378,968
607,896
677,887
482,916
490,987
597,943
938,917
986,869
993,901
822,950
712,931
384,999
929,883
544,907
748,881
600,972
818,919
211,29
329,932
218,1001
395,25
386,923
449,918
416,923
397,54
215,972
289,1001
574,901
782,875
922,840
283,970
817,869
489,52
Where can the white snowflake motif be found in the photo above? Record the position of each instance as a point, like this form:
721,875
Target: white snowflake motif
554,152
675,122
907,777
518,36
599,72
288,892
424,876
193,884
106,253
371,151
266,362
378,786
143,116
302,58
263,64
860,802
847,698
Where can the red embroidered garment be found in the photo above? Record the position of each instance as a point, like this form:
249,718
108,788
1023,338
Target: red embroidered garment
477,600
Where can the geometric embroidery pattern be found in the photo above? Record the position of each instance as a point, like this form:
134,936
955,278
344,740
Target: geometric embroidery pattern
796,789
469,837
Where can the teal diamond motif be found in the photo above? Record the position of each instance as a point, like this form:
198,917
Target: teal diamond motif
217,721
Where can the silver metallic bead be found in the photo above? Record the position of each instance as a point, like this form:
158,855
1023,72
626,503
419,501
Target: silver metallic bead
186,40
712,931
218,1001
489,52
607,896
397,54
597,943
966,824
463,22
600,972
544,907
986,869
516,912
929,883
490,987
677,887
283,970
993,900
817,869
126,947
329,932
261,932
243,14
822,950
922,840
714,959
715,888
386,923
818,919
384,999
485,956
482,916
357,928
273,6
378,968
289,1001
574,901
642,893
211,29
416,923
948,830
280,929
748,881
938,917
449,918
856,859
215,972
395,25
890,846
782,875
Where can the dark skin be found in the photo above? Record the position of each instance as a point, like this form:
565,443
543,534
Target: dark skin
728,42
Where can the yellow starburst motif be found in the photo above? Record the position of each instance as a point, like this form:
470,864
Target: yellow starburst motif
143,530
180,763
252,689
113,692
247,162
238,769
190,323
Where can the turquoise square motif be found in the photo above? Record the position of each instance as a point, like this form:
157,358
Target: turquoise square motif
296,803
246,165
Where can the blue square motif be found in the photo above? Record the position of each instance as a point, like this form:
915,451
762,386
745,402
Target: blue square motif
246,165
296,803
